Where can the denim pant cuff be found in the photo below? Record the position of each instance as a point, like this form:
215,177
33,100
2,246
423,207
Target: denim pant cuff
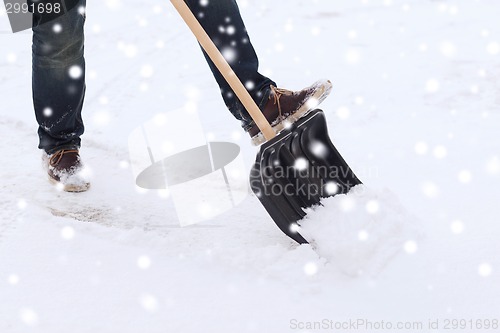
265,93
71,146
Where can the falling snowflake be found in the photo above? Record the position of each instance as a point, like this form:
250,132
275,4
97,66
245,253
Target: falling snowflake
164,194
250,85
318,149
343,112
149,302
67,233
421,148
440,152
124,164
301,164
29,317
236,135
167,147
57,28
430,190
101,118
144,262
230,30
410,247
103,100
130,50
147,71
22,204
493,166
372,207
235,174
465,176
279,47
432,86
13,279
453,10
142,22
229,54
493,48
113,4
363,235
353,56
75,72
485,270
310,269
448,49
141,190
315,31
96,28
312,103
423,47
457,227
359,100
11,58
205,210
331,188
347,204
294,228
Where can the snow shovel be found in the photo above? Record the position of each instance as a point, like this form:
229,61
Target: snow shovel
295,169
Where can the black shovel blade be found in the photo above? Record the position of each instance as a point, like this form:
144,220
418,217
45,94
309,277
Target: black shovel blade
298,168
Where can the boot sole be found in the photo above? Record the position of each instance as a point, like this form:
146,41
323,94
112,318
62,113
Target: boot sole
320,95
72,188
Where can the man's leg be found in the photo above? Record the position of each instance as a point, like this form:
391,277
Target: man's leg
59,79
58,94
222,21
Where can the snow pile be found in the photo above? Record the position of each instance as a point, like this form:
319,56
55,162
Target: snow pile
361,231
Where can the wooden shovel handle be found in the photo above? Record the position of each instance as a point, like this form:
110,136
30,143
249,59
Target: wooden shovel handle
224,68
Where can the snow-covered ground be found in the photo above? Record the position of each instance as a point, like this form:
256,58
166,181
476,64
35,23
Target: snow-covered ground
415,112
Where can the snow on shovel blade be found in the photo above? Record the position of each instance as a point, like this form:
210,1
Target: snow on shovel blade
298,168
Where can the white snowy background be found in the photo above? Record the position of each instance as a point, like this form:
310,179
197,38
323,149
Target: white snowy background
415,112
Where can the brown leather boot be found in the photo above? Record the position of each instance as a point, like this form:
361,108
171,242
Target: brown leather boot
285,107
65,170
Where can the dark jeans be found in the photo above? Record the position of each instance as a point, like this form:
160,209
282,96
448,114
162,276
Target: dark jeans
59,69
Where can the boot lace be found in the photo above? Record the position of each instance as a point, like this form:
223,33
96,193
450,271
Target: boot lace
277,93
57,157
